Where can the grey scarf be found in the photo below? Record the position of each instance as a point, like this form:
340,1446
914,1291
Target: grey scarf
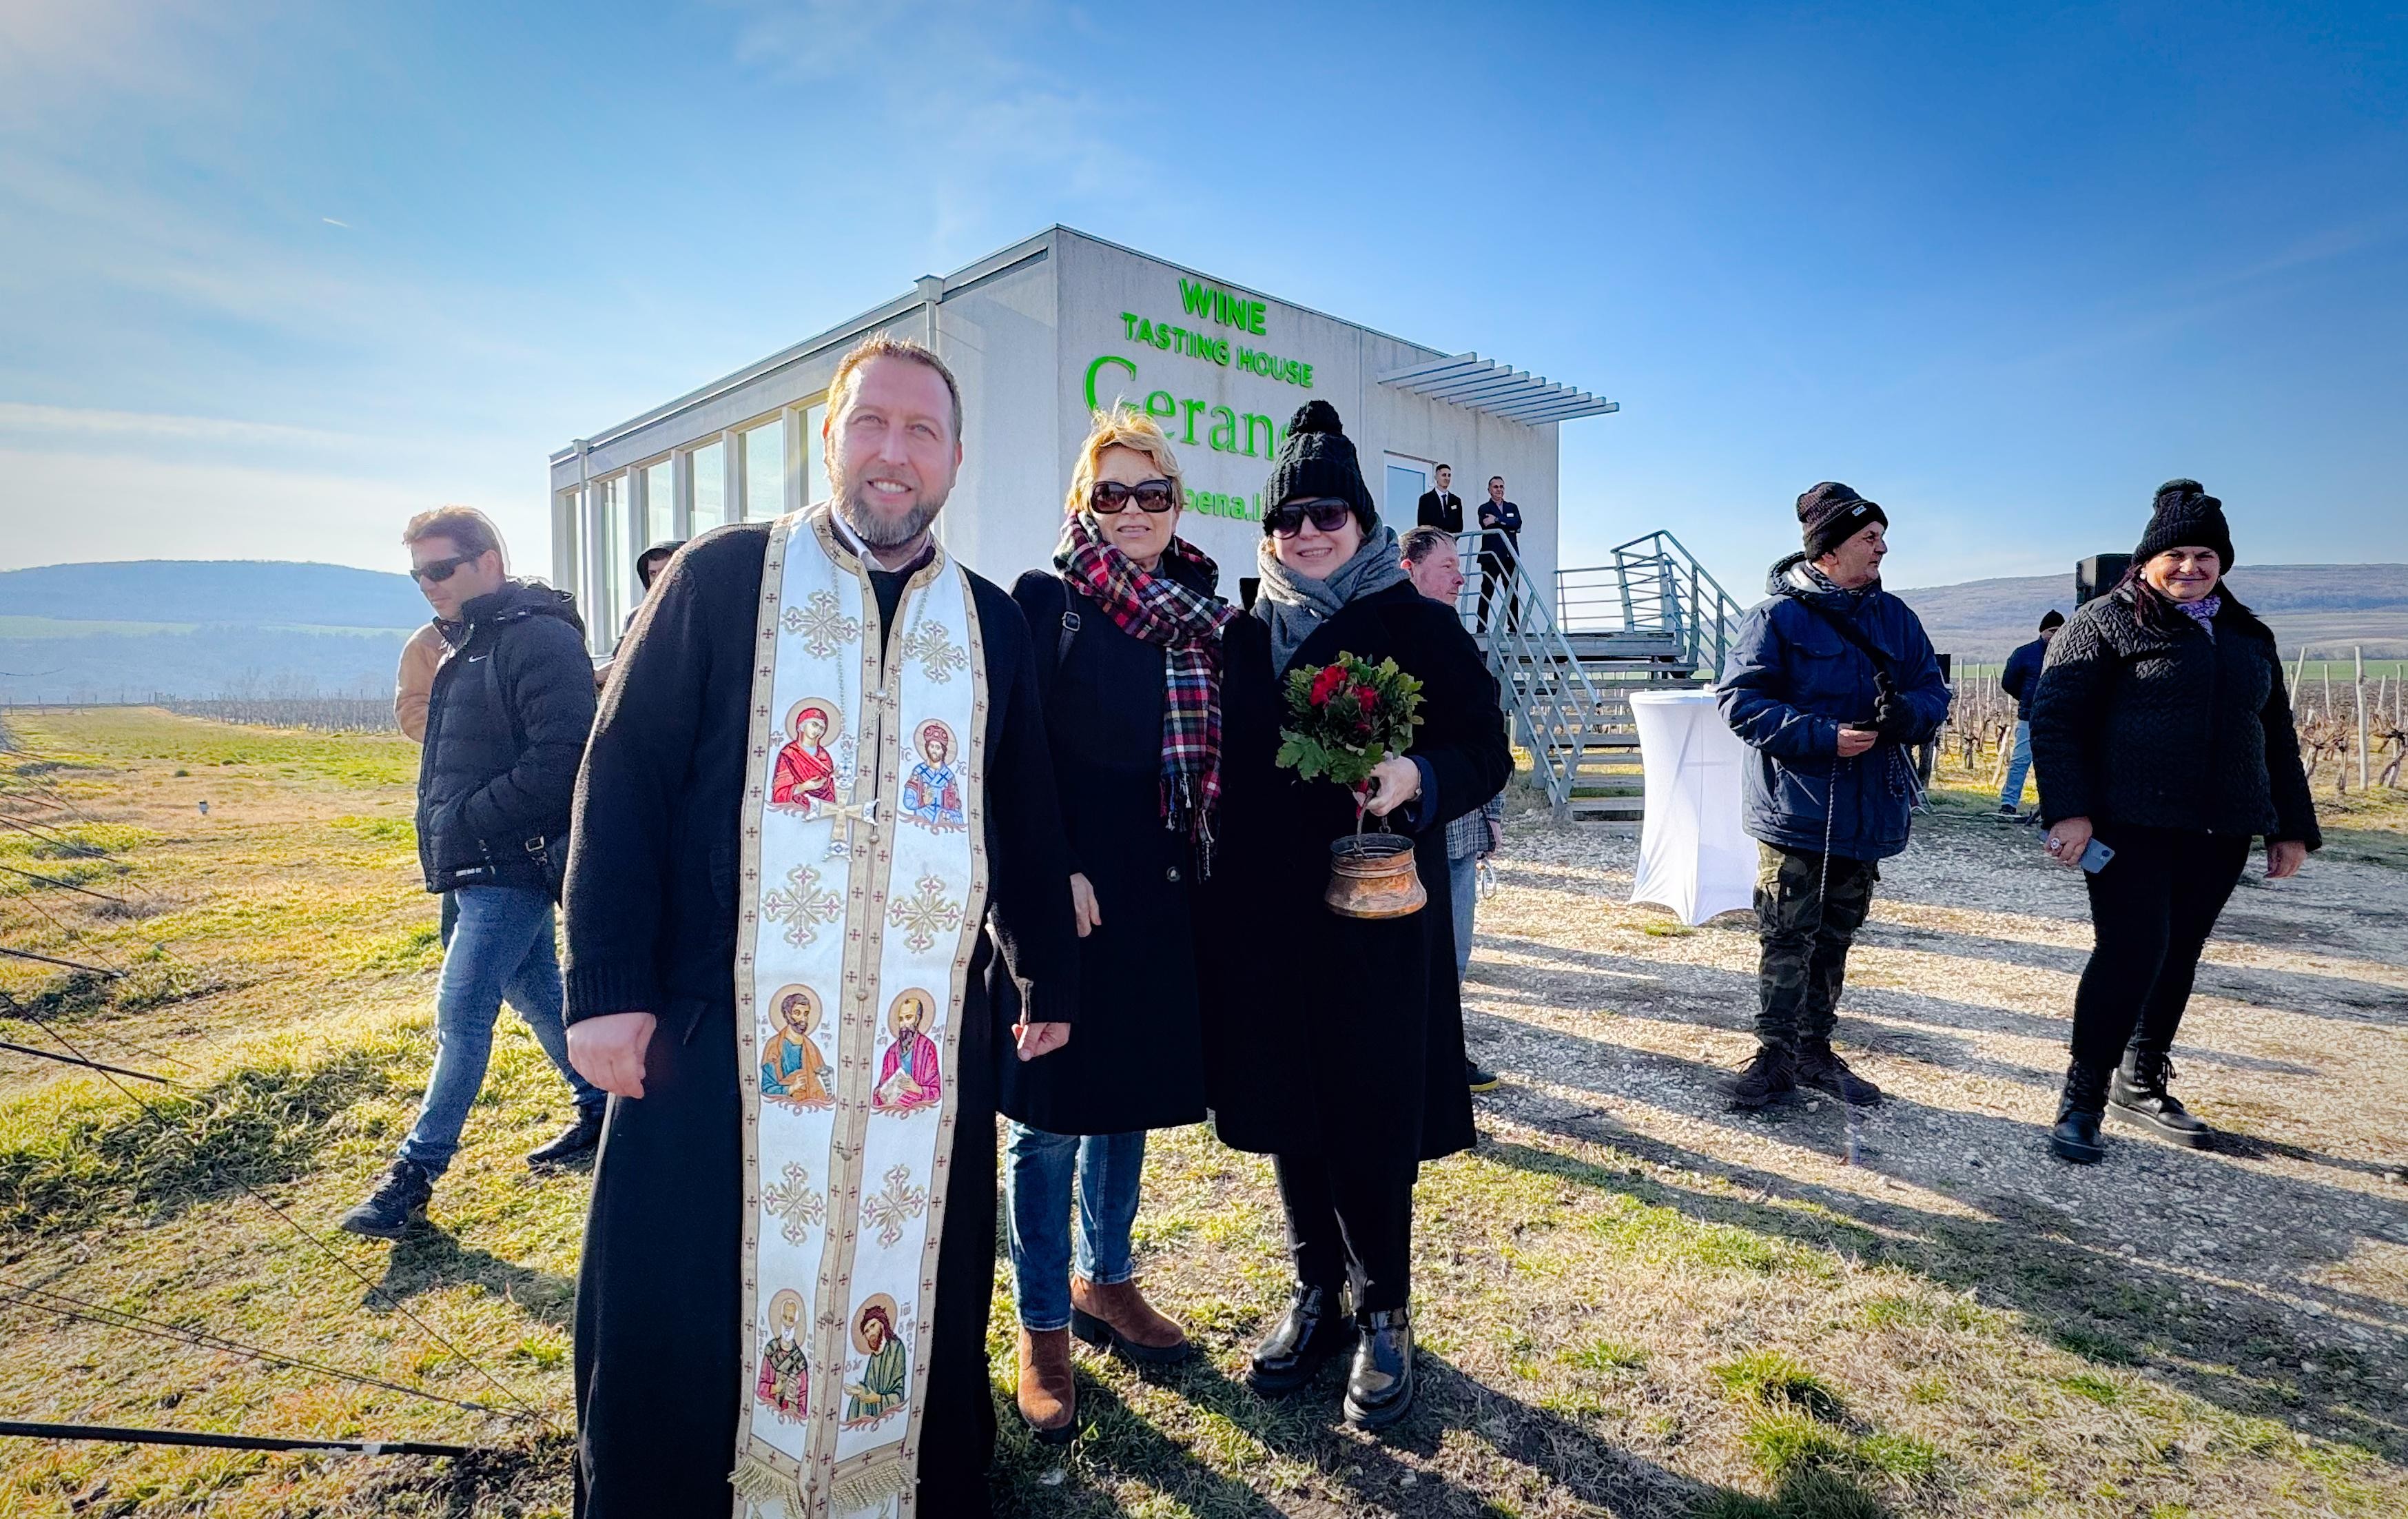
1293,605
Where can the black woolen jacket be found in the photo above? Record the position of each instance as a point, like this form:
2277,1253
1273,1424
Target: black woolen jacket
653,863
2177,728
506,724
1349,1042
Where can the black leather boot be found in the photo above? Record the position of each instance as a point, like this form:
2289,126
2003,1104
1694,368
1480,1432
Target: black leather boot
1379,1386
2138,1096
573,1143
1815,1065
1311,1331
2076,1136
1769,1072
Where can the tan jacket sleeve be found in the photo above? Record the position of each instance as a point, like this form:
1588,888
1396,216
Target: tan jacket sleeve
415,681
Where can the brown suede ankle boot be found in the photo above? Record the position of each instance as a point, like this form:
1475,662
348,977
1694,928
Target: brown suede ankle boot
1048,1398
1117,1317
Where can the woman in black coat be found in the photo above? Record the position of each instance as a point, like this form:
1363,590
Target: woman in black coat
1133,649
2160,729
1348,1067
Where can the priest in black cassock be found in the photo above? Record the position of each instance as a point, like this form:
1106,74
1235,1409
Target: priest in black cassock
782,1307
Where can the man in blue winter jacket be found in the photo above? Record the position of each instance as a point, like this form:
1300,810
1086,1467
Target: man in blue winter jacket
1830,681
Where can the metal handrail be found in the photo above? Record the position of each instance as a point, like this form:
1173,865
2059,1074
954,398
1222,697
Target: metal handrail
1541,680
1653,584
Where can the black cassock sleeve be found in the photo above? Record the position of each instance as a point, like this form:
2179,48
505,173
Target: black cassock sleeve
1029,906
630,790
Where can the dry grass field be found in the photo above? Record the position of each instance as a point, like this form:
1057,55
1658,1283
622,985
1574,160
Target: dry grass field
1632,1302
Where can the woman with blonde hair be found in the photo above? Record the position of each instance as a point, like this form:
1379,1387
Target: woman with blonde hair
1138,660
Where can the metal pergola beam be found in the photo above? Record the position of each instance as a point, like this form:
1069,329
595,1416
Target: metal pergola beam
1483,384
1559,410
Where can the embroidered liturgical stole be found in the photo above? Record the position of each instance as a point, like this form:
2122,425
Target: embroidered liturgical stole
865,881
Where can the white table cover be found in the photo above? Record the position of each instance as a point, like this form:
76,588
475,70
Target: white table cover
1693,856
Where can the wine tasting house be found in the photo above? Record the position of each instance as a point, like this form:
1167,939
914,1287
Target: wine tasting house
1040,334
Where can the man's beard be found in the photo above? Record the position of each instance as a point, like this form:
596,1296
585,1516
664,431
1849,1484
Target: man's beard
885,533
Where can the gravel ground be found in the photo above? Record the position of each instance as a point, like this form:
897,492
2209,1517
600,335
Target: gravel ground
2269,1274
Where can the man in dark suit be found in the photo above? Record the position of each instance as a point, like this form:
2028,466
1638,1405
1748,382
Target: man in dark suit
1441,508
1500,544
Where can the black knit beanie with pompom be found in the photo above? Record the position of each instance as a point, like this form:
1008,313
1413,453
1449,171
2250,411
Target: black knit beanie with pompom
2184,515
1316,458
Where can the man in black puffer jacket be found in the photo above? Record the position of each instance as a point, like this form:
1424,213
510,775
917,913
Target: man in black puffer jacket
508,719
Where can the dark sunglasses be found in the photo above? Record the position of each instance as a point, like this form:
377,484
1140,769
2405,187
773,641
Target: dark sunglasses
438,570
1288,521
1153,497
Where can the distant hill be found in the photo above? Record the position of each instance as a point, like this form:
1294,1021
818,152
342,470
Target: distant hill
248,592
2328,607
107,632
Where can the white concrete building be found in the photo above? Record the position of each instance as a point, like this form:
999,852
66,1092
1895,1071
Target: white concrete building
1039,334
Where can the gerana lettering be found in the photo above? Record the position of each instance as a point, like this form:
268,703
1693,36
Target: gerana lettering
1247,434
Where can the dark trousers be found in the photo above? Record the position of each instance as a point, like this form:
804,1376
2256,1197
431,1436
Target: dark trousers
1807,918
1348,1224
2152,908
1495,579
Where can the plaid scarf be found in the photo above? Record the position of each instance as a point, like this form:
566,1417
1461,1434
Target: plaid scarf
1185,624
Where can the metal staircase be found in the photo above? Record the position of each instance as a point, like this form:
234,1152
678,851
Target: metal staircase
1649,618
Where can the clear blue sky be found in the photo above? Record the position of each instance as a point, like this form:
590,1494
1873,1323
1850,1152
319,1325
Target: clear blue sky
278,274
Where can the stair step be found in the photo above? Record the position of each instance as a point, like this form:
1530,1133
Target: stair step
1607,808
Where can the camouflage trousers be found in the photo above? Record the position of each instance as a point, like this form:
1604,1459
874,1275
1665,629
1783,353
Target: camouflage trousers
1806,921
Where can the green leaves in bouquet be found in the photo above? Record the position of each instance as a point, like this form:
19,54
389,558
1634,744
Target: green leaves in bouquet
1346,717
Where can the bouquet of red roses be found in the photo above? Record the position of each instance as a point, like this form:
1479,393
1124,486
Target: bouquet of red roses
1346,717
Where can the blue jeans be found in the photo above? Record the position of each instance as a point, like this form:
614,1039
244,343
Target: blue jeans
501,948
1036,1198
2011,794
1465,875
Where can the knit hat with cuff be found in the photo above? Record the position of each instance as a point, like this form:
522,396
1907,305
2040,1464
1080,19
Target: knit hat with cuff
1831,514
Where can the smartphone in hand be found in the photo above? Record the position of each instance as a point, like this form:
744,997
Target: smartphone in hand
2095,858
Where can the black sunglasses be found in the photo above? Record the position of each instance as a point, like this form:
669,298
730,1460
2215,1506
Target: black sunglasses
1153,497
1288,521
440,570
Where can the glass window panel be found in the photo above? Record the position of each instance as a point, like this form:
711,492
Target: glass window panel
612,560
660,503
567,513
815,486
706,468
764,471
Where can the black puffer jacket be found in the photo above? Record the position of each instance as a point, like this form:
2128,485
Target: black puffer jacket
2177,728
506,728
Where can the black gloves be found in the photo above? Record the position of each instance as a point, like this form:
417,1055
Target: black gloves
1893,719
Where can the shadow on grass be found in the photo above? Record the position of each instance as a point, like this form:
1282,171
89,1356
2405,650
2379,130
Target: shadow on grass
1353,1472
256,1127
1709,997
524,1476
429,1258
2115,1310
